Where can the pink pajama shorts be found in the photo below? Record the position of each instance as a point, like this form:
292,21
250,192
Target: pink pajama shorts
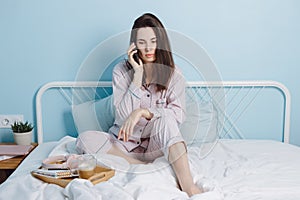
163,132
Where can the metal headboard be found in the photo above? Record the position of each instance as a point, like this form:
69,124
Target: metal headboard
222,94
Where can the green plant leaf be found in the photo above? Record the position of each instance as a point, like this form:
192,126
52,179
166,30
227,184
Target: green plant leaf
21,127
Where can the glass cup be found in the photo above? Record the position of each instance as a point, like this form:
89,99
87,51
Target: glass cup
86,166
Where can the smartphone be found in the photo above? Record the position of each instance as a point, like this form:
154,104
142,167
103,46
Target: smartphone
136,57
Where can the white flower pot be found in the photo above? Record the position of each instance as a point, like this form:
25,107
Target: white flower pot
23,138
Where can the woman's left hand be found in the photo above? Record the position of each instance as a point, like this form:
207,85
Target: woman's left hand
127,128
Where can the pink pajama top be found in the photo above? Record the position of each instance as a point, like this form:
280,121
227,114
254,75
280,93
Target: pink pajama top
128,97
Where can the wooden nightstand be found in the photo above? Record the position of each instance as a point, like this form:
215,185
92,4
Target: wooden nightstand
9,165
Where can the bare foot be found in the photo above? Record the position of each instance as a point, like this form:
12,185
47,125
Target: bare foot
194,189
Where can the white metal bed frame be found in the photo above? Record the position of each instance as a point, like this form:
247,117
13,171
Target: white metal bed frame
250,85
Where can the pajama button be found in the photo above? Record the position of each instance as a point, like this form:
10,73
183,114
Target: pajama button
137,142
141,130
148,95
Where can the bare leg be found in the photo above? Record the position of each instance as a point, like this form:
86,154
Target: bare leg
117,152
179,161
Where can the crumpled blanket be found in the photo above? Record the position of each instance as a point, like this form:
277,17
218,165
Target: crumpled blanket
234,170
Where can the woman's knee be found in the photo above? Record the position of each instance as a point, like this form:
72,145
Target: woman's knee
166,122
82,141
92,142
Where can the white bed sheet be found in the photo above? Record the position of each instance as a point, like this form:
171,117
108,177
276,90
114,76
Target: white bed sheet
235,169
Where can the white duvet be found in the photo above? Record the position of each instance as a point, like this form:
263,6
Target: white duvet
235,169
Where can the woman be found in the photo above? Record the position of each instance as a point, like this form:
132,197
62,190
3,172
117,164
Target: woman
149,97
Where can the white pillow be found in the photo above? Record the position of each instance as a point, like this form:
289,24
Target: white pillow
94,115
201,123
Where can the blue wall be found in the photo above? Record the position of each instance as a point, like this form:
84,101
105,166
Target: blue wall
43,41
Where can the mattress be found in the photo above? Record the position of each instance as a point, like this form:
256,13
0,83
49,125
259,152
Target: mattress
233,170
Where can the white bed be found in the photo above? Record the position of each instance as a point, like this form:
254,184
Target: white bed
229,165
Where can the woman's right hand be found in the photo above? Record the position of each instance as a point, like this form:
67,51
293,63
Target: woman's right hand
130,52
137,67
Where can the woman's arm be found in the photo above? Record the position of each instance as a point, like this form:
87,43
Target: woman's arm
175,99
127,96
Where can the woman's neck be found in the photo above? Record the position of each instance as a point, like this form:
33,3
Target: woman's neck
148,73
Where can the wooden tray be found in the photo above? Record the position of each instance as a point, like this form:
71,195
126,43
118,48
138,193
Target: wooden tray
101,174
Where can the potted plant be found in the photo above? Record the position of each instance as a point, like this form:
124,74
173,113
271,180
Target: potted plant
22,132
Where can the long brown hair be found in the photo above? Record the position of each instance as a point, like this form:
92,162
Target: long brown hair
164,63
